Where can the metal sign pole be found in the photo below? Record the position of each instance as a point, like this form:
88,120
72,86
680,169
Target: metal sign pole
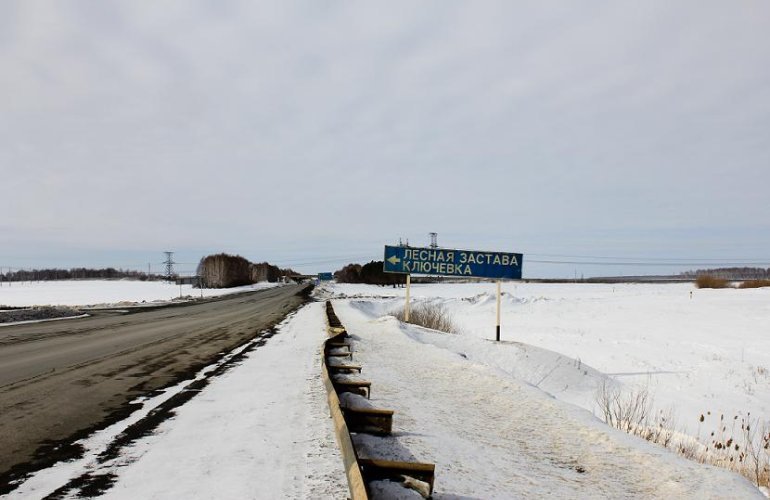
497,336
408,287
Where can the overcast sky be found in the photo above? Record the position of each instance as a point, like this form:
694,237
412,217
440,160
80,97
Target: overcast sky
310,134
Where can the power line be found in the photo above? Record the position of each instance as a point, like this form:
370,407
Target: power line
683,259
328,261
553,259
169,262
652,261
331,259
683,263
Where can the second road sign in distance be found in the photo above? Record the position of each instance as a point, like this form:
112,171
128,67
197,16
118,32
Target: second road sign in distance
451,262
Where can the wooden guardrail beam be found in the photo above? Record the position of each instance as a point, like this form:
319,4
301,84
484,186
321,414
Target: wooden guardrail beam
358,470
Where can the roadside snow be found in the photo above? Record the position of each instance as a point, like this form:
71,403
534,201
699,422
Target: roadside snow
494,436
709,354
260,430
33,321
482,411
101,292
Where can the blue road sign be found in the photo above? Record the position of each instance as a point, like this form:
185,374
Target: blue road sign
449,262
325,276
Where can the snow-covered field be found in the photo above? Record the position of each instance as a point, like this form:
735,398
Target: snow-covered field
700,354
513,419
494,436
98,292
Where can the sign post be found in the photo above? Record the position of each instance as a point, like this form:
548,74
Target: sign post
408,287
452,262
497,329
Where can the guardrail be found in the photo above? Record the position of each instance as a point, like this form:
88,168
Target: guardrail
349,456
347,419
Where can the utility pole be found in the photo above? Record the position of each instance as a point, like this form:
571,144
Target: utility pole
433,240
169,262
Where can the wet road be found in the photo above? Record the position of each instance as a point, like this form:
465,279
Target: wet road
61,379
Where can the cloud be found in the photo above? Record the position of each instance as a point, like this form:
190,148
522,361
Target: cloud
248,124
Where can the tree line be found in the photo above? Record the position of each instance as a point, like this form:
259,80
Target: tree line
76,273
731,273
224,271
371,274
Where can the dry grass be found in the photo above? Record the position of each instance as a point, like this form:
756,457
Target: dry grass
429,315
744,449
623,411
754,284
708,281
740,444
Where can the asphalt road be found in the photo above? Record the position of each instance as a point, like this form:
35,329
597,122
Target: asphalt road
60,380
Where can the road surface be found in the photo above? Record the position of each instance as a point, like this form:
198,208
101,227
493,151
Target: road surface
60,380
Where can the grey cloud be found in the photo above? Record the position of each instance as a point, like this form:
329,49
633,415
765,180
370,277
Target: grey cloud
250,124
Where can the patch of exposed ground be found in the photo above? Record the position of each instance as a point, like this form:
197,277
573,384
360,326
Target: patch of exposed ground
37,314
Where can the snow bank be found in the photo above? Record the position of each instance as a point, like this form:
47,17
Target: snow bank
93,292
260,430
708,353
494,436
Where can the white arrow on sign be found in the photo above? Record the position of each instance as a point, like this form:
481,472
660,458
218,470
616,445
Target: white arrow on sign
394,260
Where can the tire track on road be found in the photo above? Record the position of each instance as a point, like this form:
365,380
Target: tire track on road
41,417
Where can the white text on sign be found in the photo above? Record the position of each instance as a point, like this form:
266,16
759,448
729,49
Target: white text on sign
456,262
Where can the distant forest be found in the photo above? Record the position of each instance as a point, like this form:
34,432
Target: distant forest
216,271
731,273
222,270
225,271
371,274
76,273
